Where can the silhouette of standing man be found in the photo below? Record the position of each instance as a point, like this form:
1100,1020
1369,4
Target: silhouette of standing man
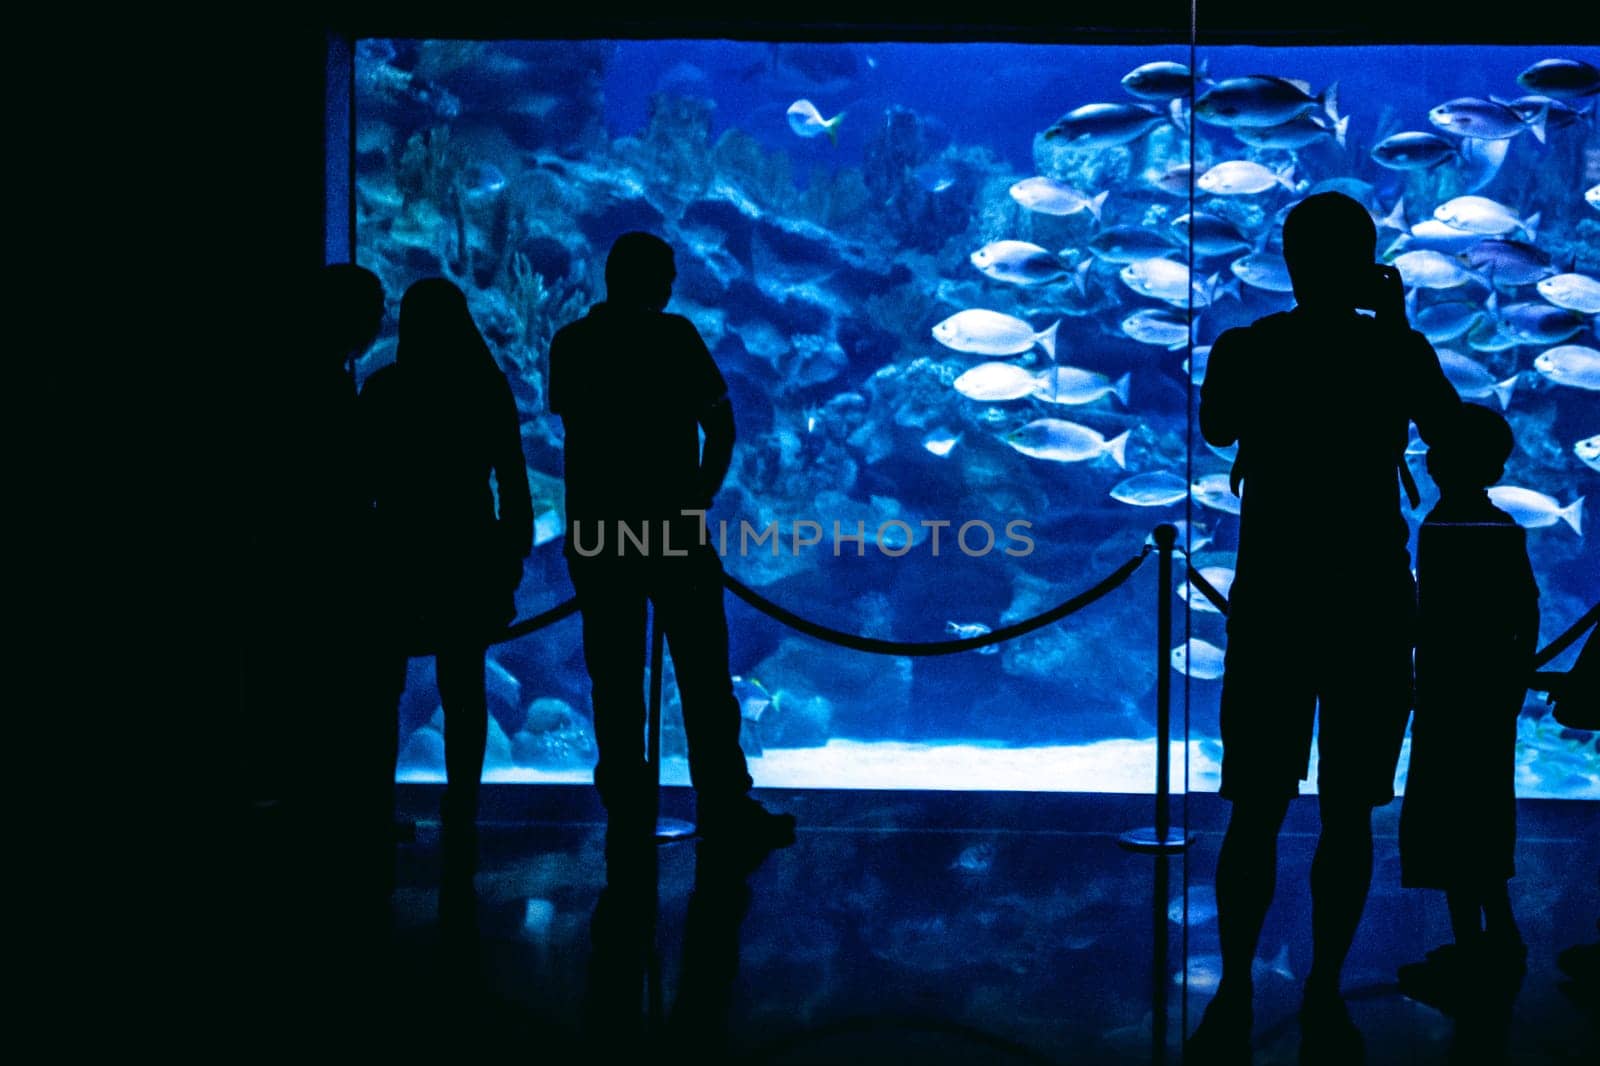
634,386
1320,510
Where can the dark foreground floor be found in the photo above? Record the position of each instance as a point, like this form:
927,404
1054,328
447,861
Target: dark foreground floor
901,927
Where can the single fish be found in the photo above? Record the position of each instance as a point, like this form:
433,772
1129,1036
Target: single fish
1157,325
1067,442
1447,321
807,121
1262,100
1241,177
1472,381
1201,660
1130,244
1294,134
1214,492
1104,125
1534,510
1574,292
1185,531
1071,385
1263,270
1432,270
1479,214
1562,78
1509,262
982,332
1481,161
939,442
1414,150
1570,364
1431,235
1159,488
1195,366
1158,81
1220,578
753,697
1162,279
995,382
1591,196
1538,322
936,176
968,630
1050,197
1468,116
1588,450
1489,336
1017,262
1212,235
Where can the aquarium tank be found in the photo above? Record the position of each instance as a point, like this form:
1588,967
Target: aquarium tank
962,295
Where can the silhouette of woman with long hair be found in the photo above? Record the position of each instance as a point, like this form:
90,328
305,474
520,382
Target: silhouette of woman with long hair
441,424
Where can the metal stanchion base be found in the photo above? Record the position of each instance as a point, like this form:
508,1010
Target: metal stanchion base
1147,839
669,829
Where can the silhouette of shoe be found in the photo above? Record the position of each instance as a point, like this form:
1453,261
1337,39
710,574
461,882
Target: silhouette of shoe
1328,1035
1223,1035
741,820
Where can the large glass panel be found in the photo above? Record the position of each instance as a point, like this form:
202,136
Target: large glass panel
1479,169
947,284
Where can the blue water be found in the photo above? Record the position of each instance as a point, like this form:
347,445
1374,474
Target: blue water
817,273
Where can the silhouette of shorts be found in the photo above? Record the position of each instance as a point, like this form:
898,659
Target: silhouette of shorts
1353,681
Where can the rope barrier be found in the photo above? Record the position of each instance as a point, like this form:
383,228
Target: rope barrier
935,647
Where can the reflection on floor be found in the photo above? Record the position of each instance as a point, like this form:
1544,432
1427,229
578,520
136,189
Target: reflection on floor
902,926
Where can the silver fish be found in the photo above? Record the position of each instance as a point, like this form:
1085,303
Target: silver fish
1432,270
1158,81
1534,510
1591,196
1479,214
1261,100
1213,491
1050,197
939,442
1509,262
807,121
1538,322
1489,336
966,631
1468,116
1241,177
1263,270
1293,134
1472,381
1174,181
1130,244
1104,125
1447,321
1067,442
1563,78
1220,578
995,382
1018,262
1434,236
1072,385
1570,364
1414,150
1157,325
1161,279
1588,450
1557,115
1575,292
1201,660
1156,489
1211,234
978,331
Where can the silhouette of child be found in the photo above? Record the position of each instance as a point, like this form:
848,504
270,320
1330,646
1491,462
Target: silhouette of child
1478,624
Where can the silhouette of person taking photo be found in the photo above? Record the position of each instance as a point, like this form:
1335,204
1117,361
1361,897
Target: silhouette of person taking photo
634,386
453,520
1317,475
1478,614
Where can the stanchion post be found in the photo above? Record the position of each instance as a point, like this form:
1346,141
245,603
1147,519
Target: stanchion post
1161,837
667,829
